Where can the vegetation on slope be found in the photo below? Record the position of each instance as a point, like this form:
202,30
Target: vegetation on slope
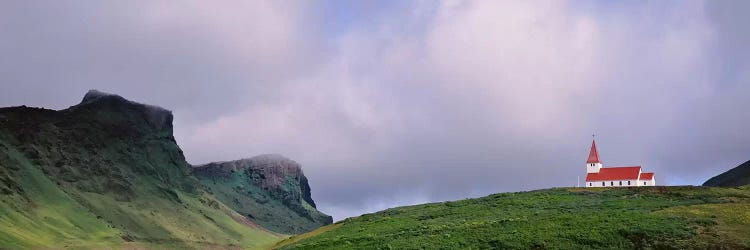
604,218
737,176
50,218
269,189
107,173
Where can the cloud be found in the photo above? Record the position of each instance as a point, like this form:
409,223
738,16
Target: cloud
407,102
208,58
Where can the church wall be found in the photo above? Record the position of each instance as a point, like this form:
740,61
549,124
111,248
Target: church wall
593,167
633,183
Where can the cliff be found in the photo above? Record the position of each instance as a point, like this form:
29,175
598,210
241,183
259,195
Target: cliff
99,146
270,189
107,173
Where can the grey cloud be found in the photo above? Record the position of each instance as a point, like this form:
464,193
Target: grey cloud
200,59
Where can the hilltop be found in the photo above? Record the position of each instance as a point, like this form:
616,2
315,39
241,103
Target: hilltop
108,173
737,176
561,218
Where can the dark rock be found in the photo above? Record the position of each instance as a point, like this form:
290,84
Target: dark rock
157,117
269,172
738,176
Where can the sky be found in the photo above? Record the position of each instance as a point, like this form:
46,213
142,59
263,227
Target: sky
390,103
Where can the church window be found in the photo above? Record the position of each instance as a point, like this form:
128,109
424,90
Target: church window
644,183
628,183
620,183
603,184
611,183
589,184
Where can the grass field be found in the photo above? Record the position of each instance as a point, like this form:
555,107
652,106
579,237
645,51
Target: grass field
568,218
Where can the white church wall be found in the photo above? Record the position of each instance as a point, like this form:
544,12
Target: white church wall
615,183
630,183
651,182
593,167
594,184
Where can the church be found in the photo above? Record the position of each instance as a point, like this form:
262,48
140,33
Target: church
598,176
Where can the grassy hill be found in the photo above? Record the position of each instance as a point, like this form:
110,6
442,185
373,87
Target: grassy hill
737,176
574,218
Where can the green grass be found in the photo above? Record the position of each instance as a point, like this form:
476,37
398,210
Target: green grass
51,218
194,219
628,218
54,214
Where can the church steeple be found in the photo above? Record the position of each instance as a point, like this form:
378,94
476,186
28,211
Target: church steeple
593,164
593,154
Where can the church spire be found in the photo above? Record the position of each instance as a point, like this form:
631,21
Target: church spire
593,154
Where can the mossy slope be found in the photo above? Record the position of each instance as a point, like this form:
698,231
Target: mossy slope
107,173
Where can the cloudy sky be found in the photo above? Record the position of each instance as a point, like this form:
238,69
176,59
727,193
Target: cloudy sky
388,103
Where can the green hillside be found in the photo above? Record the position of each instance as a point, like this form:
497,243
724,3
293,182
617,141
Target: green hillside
107,173
48,215
737,176
576,218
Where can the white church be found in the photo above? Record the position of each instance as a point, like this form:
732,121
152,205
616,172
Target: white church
598,176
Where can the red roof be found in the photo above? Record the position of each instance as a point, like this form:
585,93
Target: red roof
594,154
615,173
647,176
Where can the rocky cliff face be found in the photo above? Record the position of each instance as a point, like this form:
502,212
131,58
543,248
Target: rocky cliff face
108,171
738,176
259,180
100,145
274,173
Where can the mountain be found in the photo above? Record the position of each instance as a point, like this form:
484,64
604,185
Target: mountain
561,218
107,173
738,176
270,189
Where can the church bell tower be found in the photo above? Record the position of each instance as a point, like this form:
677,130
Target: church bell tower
593,164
